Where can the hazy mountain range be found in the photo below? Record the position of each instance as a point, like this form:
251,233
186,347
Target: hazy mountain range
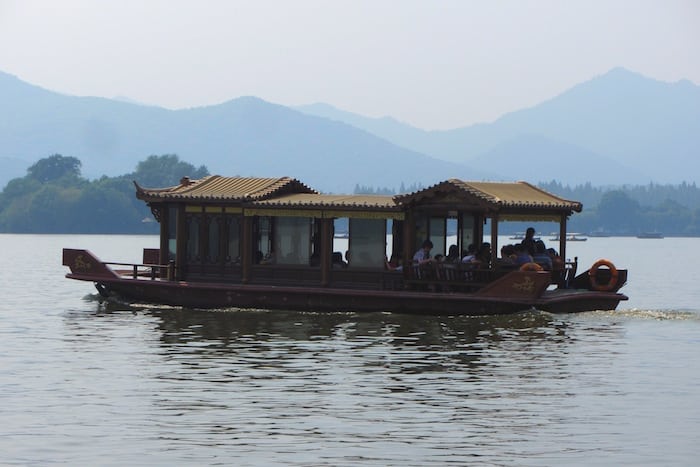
617,128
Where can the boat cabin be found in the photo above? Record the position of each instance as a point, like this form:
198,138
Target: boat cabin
280,231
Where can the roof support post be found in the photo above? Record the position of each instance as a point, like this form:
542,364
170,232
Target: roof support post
562,237
164,223
326,247
409,239
181,243
494,240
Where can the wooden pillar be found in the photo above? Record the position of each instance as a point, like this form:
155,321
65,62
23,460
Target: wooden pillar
247,249
163,254
562,237
326,250
181,243
494,240
409,237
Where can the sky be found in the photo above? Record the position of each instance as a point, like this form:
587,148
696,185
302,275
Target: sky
432,64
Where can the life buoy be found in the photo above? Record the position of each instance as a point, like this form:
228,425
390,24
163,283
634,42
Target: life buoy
531,267
593,273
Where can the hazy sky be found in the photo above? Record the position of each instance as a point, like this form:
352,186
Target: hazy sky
433,64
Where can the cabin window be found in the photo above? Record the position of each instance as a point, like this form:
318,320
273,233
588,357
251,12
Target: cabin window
467,231
368,243
263,245
437,235
292,240
233,239
213,237
172,233
193,238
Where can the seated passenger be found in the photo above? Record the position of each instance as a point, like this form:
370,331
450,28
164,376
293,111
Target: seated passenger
483,254
469,255
453,255
422,256
507,255
395,263
541,257
521,255
337,260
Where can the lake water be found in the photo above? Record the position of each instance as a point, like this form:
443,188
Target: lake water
86,384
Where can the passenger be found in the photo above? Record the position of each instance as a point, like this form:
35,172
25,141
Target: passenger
348,255
469,255
522,256
453,255
541,257
395,263
337,260
529,241
483,255
557,261
422,256
507,254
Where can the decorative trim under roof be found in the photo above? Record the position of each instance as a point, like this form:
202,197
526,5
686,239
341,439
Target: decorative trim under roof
317,201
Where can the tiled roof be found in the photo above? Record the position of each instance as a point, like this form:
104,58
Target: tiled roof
497,194
217,188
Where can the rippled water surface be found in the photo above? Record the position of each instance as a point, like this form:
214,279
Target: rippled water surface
85,383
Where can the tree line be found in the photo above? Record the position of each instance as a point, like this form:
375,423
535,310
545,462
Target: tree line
54,197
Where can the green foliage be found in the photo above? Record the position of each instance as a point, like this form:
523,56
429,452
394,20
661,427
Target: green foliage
55,167
166,170
54,198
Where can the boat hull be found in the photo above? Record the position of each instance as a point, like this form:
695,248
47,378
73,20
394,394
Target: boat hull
514,292
203,295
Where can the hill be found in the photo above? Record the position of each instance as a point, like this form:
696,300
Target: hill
629,128
245,136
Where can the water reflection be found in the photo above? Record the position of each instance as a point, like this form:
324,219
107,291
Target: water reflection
294,388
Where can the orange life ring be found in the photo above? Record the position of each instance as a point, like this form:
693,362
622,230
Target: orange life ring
593,272
531,267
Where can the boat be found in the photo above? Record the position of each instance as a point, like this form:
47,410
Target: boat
268,243
651,235
571,237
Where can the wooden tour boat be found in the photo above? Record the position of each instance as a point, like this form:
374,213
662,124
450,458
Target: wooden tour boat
235,242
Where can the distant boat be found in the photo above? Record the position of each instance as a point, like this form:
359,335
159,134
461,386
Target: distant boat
650,235
599,233
571,237
521,236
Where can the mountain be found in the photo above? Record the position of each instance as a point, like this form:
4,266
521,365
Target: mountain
631,128
617,128
245,136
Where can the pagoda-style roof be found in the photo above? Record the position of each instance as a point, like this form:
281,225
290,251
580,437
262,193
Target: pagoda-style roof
216,188
495,196
285,194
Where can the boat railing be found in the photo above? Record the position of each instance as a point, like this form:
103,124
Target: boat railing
452,277
150,271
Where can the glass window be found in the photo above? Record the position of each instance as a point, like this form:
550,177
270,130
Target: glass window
193,222
292,240
437,235
467,230
233,239
367,243
172,233
213,238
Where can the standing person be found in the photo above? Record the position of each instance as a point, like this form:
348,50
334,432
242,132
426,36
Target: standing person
529,241
422,256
